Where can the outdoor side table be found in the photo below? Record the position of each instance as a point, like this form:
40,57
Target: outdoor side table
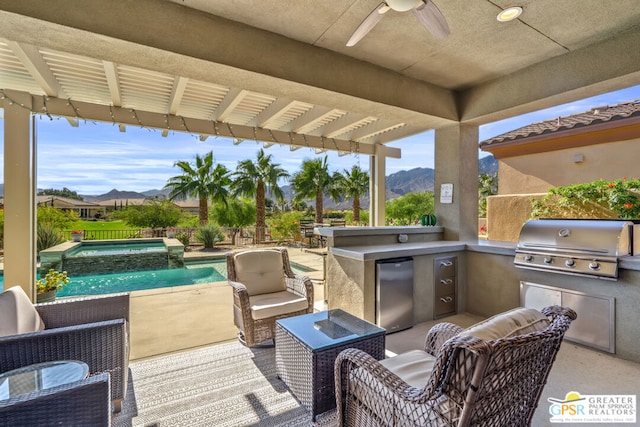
41,376
306,351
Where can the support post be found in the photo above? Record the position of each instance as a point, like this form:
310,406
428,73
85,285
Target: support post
19,194
377,190
456,162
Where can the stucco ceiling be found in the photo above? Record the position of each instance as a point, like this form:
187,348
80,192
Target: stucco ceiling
283,66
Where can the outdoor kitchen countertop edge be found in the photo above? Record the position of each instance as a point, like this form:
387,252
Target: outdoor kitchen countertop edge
376,252
629,262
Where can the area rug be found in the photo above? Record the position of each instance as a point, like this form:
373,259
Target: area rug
221,385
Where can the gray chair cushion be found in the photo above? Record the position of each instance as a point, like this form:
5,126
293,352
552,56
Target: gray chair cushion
17,313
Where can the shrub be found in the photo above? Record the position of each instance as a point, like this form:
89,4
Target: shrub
364,217
209,235
48,236
285,225
183,238
598,199
407,209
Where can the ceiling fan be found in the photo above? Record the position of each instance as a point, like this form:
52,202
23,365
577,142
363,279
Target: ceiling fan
425,10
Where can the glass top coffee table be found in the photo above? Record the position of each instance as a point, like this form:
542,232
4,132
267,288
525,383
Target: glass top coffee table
307,347
41,376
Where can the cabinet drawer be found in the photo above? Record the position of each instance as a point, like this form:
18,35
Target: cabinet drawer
445,286
445,267
445,304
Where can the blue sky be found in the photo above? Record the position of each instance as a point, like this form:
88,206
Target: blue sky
96,157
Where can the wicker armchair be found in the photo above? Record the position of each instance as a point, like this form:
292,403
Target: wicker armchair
92,330
459,380
264,290
81,403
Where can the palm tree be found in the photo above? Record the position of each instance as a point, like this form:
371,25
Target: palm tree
314,181
353,184
255,179
201,180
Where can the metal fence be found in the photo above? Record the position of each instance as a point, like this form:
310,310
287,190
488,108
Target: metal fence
243,236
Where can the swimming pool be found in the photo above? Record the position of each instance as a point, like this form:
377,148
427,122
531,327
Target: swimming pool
92,250
194,273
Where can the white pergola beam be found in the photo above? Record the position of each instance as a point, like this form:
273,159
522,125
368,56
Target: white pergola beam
373,129
273,112
35,64
311,119
229,103
113,81
177,92
341,125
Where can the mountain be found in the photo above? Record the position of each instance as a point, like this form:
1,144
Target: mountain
114,194
488,165
411,181
160,194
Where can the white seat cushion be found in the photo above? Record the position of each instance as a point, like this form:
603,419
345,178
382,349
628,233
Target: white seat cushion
276,304
17,313
414,367
261,271
518,321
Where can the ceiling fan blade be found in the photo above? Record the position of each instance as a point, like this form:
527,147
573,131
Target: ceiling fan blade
433,20
368,23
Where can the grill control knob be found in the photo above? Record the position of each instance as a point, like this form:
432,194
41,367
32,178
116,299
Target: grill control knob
548,260
528,258
570,263
594,265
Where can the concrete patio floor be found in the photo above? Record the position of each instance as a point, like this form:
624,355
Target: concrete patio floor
182,317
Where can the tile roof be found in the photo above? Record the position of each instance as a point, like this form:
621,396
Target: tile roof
594,116
72,202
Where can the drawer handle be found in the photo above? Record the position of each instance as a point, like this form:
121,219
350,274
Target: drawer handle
446,263
446,299
446,281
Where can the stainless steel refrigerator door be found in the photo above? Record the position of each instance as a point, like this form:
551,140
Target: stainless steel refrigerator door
394,294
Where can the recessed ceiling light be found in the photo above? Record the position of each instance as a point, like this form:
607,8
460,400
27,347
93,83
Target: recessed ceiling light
509,14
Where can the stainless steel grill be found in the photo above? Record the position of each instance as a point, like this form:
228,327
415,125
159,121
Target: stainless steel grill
575,246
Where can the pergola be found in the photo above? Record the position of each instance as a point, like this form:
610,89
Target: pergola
279,72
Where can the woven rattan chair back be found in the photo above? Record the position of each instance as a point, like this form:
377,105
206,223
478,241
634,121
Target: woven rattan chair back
473,382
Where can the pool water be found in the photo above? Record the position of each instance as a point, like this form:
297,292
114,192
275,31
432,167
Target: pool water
192,274
89,250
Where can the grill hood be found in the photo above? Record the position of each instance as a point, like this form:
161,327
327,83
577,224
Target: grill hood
575,246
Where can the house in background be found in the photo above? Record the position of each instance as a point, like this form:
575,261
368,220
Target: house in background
602,143
85,210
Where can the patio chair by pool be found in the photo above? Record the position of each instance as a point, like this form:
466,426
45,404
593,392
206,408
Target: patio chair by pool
490,374
91,330
265,289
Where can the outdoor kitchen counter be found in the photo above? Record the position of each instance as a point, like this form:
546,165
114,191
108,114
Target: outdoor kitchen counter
377,252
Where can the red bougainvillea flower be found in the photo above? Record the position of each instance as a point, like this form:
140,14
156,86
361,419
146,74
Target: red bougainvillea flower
628,205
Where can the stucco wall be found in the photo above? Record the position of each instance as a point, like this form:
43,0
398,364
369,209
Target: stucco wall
506,214
537,173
